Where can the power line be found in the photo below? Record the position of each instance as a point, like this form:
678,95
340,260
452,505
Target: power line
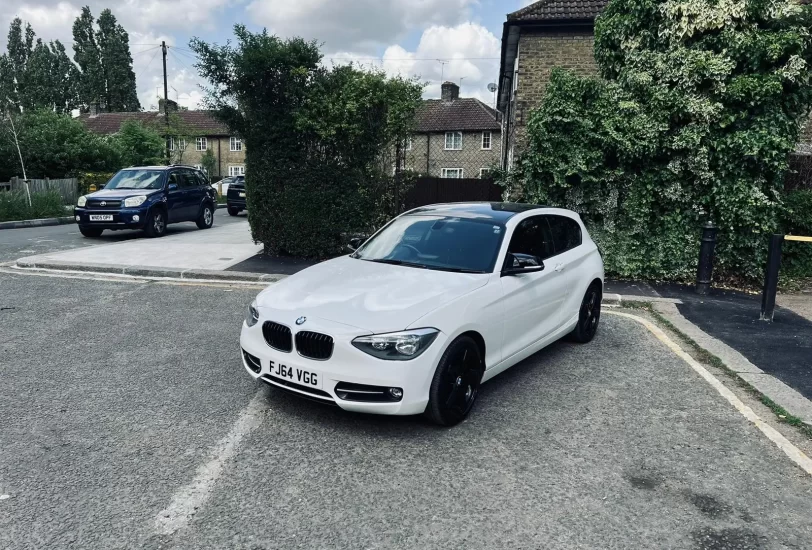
179,60
447,60
147,67
186,55
145,51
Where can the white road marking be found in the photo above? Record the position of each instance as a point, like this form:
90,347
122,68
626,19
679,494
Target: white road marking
795,454
189,499
4,497
115,278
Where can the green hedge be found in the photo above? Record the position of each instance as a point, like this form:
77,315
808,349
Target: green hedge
796,219
92,181
14,206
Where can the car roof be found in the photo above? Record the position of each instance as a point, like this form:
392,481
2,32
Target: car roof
494,211
160,167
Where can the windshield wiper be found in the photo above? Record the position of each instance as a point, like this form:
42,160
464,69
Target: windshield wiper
396,262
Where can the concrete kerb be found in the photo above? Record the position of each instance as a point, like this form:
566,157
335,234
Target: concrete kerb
618,300
149,271
44,222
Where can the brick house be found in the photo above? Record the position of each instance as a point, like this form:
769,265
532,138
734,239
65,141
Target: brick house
209,134
455,137
535,39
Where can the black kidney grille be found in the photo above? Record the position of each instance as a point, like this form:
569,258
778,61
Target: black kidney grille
314,345
277,336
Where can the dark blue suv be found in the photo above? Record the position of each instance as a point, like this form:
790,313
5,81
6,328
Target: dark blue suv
148,198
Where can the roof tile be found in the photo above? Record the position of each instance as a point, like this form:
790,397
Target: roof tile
463,114
110,123
559,10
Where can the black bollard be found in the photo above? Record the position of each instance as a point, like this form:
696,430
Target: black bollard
771,278
704,274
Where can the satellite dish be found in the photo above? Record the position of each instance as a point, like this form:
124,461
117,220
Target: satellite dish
492,87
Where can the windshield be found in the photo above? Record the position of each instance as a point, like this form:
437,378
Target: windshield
136,179
436,242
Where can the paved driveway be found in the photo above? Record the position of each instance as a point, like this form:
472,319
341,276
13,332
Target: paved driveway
128,422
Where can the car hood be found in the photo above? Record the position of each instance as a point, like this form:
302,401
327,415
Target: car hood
372,296
120,193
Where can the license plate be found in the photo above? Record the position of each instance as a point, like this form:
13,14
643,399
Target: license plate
101,217
296,375
242,195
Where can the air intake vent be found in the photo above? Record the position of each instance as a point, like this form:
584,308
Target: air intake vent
277,336
314,345
252,362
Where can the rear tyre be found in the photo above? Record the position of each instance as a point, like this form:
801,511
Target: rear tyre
156,223
206,218
589,315
91,232
456,383
233,211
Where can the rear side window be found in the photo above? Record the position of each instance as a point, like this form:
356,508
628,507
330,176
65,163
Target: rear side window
566,233
532,236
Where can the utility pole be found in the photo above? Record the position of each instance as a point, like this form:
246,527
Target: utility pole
166,100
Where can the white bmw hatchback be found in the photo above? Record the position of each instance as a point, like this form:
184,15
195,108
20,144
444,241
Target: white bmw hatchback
437,302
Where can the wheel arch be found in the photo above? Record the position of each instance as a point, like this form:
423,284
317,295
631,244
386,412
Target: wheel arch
478,339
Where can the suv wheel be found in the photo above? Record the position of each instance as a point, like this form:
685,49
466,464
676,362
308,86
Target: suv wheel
90,231
233,211
206,218
156,223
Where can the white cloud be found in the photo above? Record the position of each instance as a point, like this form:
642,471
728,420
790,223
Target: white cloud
358,26
470,53
49,21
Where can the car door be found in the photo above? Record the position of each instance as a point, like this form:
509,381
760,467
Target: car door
531,301
570,255
195,193
175,197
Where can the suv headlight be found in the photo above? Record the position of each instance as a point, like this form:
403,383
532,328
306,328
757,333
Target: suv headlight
135,201
82,201
252,318
397,346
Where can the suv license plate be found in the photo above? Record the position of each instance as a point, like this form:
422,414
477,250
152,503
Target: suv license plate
101,218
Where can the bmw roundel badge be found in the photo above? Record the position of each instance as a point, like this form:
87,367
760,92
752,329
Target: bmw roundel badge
301,320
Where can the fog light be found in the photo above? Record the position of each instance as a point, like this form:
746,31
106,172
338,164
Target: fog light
396,393
78,219
136,218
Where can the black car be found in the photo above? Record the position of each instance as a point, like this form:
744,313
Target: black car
235,198
148,198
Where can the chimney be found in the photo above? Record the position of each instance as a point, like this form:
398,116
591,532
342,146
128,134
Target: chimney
94,109
450,91
168,104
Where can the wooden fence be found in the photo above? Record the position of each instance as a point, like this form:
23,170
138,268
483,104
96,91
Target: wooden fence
68,188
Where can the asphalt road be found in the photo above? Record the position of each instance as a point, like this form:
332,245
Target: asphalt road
17,243
116,398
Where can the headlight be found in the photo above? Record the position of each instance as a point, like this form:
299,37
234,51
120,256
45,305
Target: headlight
135,201
397,346
252,318
82,201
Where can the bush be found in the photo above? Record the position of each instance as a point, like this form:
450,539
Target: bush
14,206
796,219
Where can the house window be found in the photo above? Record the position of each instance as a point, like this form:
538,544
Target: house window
453,141
202,144
177,144
235,144
236,169
484,172
451,172
408,143
486,140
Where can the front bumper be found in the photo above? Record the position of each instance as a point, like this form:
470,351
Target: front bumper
122,217
347,365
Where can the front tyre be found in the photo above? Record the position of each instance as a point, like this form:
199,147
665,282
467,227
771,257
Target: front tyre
156,223
456,383
91,232
589,315
206,219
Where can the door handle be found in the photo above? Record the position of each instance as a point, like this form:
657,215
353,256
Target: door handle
559,268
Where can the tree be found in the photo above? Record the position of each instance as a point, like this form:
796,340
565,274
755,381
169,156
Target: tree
51,79
20,48
180,136
314,137
699,107
209,163
139,145
103,55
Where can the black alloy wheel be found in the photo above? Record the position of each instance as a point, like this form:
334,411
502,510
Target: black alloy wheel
456,383
589,315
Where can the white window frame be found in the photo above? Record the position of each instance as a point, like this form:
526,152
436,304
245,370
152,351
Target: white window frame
490,140
201,144
453,135
483,171
175,144
408,146
236,170
234,144
445,171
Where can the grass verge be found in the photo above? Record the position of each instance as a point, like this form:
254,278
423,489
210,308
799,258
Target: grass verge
14,206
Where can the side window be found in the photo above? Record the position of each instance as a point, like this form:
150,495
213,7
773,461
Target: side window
566,233
188,179
532,236
175,178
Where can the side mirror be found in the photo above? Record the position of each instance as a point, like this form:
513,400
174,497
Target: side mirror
354,243
516,264
102,186
172,186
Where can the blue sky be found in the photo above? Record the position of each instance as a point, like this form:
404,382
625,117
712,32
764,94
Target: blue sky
402,36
